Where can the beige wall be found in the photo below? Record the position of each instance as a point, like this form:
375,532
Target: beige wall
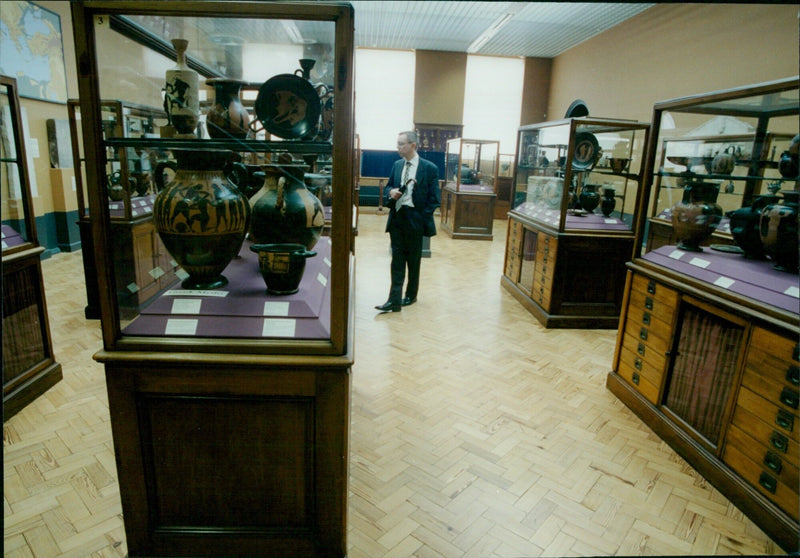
535,90
439,87
675,50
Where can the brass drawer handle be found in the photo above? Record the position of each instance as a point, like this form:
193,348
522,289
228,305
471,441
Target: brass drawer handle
651,287
785,419
773,462
638,364
790,398
640,349
768,482
779,441
646,318
648,303
635,378
643,334
793,374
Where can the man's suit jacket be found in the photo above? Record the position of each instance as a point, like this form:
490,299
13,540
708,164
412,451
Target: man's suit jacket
425,194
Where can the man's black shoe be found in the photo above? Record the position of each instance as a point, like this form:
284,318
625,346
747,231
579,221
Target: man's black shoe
408,301
388,307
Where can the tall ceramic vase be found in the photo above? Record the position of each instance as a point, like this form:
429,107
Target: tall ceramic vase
201,217
182,92
609,201
589,197
285,211
227,118
779,232
697,216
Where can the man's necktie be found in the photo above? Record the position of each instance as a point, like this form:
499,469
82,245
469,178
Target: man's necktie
406,170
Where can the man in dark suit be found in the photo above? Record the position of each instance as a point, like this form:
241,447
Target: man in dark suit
413,195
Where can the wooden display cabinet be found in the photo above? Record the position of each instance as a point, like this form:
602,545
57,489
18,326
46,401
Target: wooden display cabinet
707,350
470,188
505,186
144,266
566,264
29,366
230,406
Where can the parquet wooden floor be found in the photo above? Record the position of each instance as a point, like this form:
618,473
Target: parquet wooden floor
475,432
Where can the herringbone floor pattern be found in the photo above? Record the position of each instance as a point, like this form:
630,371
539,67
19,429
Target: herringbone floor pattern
475,432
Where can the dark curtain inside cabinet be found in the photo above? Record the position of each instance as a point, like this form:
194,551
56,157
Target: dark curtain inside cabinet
708,349
23,343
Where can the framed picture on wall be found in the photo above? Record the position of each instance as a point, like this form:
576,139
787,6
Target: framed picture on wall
32,51
433,137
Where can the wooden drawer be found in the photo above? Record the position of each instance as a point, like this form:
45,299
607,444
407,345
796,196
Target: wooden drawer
784,396
769,413
647,328
772,437
778,464
763,479
660,294
641,374
774,357
655,358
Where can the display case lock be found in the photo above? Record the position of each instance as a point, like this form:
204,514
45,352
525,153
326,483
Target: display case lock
785,420
779,441
773,462
790,397
768,482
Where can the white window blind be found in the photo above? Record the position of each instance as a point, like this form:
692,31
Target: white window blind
493,99
384,96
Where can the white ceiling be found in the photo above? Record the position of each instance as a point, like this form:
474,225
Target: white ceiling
534,29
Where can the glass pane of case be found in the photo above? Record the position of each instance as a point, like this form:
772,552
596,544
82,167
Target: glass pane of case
201,243
580,174
472,165
15,230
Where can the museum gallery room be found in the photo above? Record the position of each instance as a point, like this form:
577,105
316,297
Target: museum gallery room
430,279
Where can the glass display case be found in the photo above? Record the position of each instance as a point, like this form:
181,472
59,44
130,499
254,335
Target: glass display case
707,350
143,265
470,188
29,366
573,216
234,372
733,145
505,185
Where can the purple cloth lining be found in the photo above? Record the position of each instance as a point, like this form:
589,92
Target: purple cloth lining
757,280
240,313
11,237
590,221
140,205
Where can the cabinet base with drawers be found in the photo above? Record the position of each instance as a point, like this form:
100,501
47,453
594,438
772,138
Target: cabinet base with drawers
716,375
566,280
467,214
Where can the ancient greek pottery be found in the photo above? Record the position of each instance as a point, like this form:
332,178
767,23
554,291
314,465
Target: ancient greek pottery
320,186
589,197
201,216
116,191
609,201
227,118
745,224
778,228
723,163
182,97
788,164
282,266
140,182
697,216
618,165
284,211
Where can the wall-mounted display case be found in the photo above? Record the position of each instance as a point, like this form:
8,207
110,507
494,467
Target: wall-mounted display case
229,389
143,264
29,366
707,351
573,216
470,188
